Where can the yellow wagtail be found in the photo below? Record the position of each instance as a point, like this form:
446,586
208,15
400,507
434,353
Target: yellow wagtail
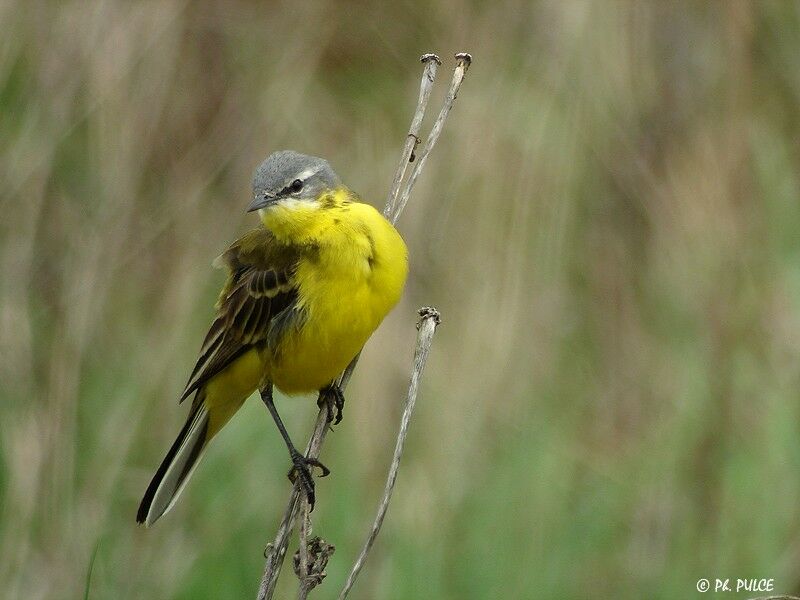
304,293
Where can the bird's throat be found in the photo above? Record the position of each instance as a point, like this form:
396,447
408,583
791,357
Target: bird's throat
295,221
292,221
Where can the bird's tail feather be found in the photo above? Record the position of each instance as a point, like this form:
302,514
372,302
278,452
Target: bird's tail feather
176,468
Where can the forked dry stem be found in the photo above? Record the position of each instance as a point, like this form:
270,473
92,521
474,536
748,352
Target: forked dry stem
396,202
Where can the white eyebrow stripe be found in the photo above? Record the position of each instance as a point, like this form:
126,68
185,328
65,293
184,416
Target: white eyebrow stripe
306,174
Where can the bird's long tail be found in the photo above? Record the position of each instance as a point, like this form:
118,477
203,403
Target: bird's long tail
177,466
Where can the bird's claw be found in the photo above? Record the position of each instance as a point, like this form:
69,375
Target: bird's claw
300,470
333,397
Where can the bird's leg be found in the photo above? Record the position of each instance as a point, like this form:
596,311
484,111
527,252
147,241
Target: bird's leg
333,396
300,463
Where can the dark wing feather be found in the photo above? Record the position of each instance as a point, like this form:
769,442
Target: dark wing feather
260,290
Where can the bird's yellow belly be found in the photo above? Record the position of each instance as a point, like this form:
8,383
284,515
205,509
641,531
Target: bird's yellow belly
312,357
345,290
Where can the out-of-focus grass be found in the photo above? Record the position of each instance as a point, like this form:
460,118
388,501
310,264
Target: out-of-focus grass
609,227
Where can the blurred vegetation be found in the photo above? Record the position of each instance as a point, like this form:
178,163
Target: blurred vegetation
609,227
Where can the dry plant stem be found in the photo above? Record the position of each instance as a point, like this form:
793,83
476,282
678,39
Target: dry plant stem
431,62
463,61
276,551
429,319
305,530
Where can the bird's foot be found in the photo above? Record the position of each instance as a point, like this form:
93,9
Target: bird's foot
301,469
333,397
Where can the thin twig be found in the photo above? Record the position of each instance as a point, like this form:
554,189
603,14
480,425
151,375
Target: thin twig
463,61
432,63
276,551
429,319
305,530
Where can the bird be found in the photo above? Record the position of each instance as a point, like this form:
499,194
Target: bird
305,290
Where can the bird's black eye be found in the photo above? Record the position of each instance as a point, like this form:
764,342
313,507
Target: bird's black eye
296,186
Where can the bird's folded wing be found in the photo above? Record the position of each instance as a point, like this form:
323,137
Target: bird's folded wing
260,290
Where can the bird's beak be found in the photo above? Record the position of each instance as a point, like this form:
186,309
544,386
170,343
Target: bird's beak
261,201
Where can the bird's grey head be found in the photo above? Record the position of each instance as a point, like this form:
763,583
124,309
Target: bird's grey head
289,175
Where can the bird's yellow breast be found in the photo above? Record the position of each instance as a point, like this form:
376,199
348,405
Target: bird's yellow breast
349,282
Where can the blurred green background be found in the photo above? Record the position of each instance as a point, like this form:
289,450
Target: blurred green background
610,227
